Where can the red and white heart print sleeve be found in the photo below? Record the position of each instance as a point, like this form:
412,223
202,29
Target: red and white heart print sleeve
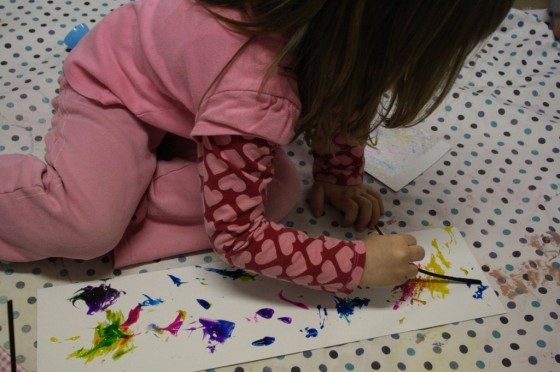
235,172
345,167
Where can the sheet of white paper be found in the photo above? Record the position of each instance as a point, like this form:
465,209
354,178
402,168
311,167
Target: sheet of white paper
401,155
419,304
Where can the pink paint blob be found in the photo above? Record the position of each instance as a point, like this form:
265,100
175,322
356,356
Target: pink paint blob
298,304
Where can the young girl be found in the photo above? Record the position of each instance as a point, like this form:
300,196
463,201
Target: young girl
168,131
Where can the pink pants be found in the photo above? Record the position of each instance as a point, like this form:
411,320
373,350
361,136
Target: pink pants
102,188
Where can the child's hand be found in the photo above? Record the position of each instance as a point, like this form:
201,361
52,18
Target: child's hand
389,260
360,204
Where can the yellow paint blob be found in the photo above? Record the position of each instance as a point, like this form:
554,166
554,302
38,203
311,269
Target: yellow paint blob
439,287
54,339
440,255
464,270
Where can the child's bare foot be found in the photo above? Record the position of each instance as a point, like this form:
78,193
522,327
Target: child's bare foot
556,25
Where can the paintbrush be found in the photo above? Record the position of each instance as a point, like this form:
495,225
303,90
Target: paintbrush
12,336
446,277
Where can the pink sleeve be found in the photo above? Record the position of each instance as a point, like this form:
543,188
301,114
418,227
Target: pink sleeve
344,167
235,172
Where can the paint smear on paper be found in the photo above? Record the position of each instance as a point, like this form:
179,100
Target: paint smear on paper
173,327
218,331
310,332
322,316
151,301
420,337
479,291
133,316
411,289
96,298
176,281
464,270
285,319
233,274
532,273
345,306
298,304
205,304
264,341
56,340
111,336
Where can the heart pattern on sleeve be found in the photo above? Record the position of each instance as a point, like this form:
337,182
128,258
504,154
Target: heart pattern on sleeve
344,167
235,172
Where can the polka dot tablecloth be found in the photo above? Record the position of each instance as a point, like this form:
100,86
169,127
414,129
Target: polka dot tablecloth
499,185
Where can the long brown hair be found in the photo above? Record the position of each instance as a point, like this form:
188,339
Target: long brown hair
347,54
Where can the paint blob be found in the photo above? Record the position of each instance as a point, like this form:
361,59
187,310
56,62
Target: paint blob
233,274
217,330
265,312
479,291
151,301
264,341
322,316
112,336
310,332
298,304
173,327
133,316
176,281
96,298
285,319
205,304
345,306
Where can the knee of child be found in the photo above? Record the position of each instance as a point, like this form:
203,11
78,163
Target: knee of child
93,239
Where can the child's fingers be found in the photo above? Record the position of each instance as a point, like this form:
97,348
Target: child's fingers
409,239
375,210
417,253
349,207
317,200
377,196
365,212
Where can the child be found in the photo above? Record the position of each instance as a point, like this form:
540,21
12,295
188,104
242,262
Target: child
215,88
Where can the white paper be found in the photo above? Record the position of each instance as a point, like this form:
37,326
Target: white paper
59,323
401,155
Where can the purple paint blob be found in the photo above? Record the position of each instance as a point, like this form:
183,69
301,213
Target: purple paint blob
285,319
96,298
479,291
265,312
298,304
205,304
345,306
218,331
265,341
176,281
310,332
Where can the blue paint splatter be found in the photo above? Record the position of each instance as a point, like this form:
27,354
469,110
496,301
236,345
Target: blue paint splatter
345,306
323,316
233,274
481,288
205,304
285,319
265,312
264,341
310,332
151,301
176,281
